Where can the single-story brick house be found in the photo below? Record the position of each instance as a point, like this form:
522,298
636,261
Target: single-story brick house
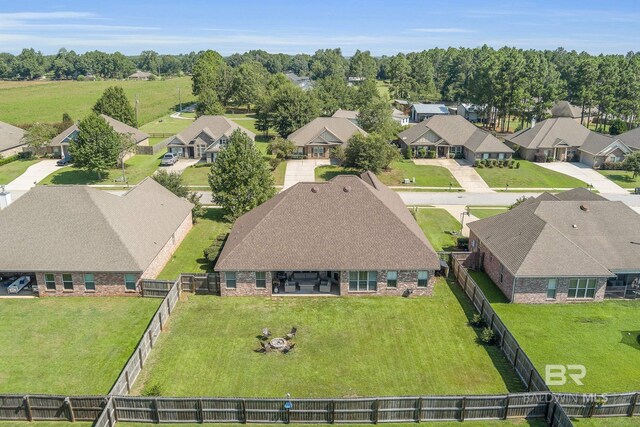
204,138
320,135
349,236
78,240
10,140
570,247
453,136
59,145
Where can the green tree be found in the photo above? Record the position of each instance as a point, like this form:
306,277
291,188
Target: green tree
632,163
292,108
376,117
115,104
67,121
208,103
240,178
208,72
362,64
365,93
97,146
149,61
372,153
281,148
328,62
248,82
333,93
38,135
172,181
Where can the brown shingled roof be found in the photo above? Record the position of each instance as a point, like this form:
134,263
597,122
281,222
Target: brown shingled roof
122,128
10,136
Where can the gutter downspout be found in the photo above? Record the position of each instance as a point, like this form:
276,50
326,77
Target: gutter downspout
513,291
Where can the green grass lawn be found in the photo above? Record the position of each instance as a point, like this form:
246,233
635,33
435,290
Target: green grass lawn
426,176
166,124
189,257
414,346
623,178
70,345
12,170
609,422
602,336
198,176
529,175
437,225
137,168
383,89
481,212
484,423
30,102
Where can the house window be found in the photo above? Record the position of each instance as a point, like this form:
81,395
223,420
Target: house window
50,281
552,287
456,149
261,279
392,279
89,282
318,151
423,279
485,156
67,282
501,156
223,141
130,282
230,279
361,281
501,273
582,288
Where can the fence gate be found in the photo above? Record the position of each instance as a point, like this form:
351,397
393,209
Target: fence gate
201,284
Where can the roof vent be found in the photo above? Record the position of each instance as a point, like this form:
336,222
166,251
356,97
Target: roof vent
584,207
346,189
314,189
574,226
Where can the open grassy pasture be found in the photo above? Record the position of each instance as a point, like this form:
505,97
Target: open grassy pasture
482,212
623,178
344,347
137,168
12,170
166,124
71,345
529,175
602,336
29,102
189,257
437,225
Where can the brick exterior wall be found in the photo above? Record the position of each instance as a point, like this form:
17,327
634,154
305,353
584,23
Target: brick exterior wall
165,254
245,285
107,284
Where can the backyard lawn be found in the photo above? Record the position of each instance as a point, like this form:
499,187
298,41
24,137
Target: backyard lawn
529,175
483,423
437,225
12,170
482,212
198,175
70,345
189,257
137,168
426,176
602,336
166,124
623,178
414,346
28,102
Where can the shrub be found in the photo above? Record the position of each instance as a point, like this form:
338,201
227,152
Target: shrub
477,163
477,321
9,159
517,165
337,154
431,154
407,153
486,162
617,126
487,336
80,78
154,390
422,153
274,162
612,166
452,155
211,253
463,243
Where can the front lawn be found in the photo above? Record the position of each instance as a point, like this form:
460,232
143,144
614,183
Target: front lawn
199,175
12,170
602,336
69,345
189,257
482,212
528,175
426,176
437,225
137,168
623,178
352,346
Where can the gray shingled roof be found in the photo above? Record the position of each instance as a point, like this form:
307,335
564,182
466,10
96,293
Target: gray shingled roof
597,142
79,228
341,128
122,128
631,138
551,132
430,108
347,223
10,136
565,109
455,130
214,126
346,114
569,237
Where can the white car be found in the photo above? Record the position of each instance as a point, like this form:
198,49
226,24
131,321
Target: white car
169,159
19,284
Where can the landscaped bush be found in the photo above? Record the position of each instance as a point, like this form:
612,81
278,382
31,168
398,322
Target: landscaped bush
487,336
477,321
8,160
431,154
463,243
478,163
338,155
422,153
274,162
211,253
407,153
517,165
612,166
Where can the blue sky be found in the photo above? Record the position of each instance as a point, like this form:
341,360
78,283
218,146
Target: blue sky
293,26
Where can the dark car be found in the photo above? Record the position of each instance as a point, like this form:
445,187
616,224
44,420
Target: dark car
64,161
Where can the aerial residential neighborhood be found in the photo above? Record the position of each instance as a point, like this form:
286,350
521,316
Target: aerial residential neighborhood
338,213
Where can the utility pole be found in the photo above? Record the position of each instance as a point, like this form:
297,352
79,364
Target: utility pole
137,102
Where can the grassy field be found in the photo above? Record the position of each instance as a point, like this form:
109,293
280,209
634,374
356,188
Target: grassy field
529,175
166,124
71,345
602,336
383,89
12,170
623,178
137,168
609,422
414,346
481,212
426,176
189,257
437,225
198,176
29,102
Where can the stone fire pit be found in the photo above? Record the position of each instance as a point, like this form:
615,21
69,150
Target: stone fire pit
278,343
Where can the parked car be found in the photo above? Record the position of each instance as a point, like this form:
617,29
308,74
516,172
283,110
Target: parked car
64,161
169,159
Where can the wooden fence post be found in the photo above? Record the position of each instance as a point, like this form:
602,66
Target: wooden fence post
156,411
492,317
106,408
244,411
126,378
376,404
530,377
140,357
27,407
419,410
72,416
632,407
592,409
160,318
481,307
515,358
200,411
332,412
168,306
506,407
463,408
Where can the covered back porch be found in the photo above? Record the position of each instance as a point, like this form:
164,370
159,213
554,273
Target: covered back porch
624,285
306,282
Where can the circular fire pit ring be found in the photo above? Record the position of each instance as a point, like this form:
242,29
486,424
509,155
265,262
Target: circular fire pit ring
278,343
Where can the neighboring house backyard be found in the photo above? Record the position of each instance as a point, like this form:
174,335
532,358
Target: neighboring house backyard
438,225
623,178
415,346
71,345
528,175
12,170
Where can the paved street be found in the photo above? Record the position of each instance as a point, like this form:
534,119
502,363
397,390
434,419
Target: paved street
462,171
587,174
302,171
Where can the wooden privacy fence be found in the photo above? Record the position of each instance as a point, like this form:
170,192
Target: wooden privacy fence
607,405
134,365
51,408
506,341
200,283
155,288
152,149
